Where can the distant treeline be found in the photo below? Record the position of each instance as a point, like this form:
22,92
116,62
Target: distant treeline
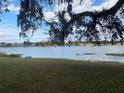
76,43
69,43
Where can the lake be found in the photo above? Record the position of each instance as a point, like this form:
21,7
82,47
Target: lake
91,53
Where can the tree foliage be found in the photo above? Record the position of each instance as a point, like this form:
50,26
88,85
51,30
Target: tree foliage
87,24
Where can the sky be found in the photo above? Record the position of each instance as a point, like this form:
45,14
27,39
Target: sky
9,32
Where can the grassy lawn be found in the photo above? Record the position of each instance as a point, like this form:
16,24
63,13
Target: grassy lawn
59,76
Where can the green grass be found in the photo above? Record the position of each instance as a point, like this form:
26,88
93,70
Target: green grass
113,54
59,76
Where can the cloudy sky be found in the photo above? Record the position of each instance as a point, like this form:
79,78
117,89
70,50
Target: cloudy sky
8,27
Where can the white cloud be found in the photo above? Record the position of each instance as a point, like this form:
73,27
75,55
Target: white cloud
39,36
78,7
8,34
50,16
81,7
86,5
13,8
107,4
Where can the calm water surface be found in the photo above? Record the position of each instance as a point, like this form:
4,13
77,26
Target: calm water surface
74,52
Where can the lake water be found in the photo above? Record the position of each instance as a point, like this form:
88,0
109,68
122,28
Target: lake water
73,52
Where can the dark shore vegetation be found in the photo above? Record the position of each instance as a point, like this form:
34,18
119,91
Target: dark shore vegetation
19,75
10,55
115,54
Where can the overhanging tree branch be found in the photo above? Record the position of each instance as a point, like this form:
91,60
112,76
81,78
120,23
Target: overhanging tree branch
103,13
